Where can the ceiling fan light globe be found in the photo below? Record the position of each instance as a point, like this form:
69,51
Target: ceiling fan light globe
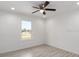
41,11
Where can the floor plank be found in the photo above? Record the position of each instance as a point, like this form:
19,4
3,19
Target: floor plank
40,51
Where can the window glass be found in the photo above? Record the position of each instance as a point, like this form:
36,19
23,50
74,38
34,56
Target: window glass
26,30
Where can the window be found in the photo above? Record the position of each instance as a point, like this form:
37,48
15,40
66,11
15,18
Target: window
26,30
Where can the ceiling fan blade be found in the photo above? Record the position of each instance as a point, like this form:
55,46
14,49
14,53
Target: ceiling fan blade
35,7
46,3
50,9
44,13
35,11
41,6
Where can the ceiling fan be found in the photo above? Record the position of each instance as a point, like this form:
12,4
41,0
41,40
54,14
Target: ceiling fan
42,8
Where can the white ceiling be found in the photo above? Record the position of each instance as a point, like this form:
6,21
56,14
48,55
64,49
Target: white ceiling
26,6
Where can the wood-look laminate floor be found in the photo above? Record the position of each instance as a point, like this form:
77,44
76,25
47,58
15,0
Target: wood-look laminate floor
40,51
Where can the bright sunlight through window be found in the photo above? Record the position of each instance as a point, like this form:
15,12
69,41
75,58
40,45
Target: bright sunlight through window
26,30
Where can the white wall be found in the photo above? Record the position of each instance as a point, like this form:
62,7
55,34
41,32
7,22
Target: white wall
63,31
10,30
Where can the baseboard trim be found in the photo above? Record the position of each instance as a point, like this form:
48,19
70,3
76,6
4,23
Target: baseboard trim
34,45
62,49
